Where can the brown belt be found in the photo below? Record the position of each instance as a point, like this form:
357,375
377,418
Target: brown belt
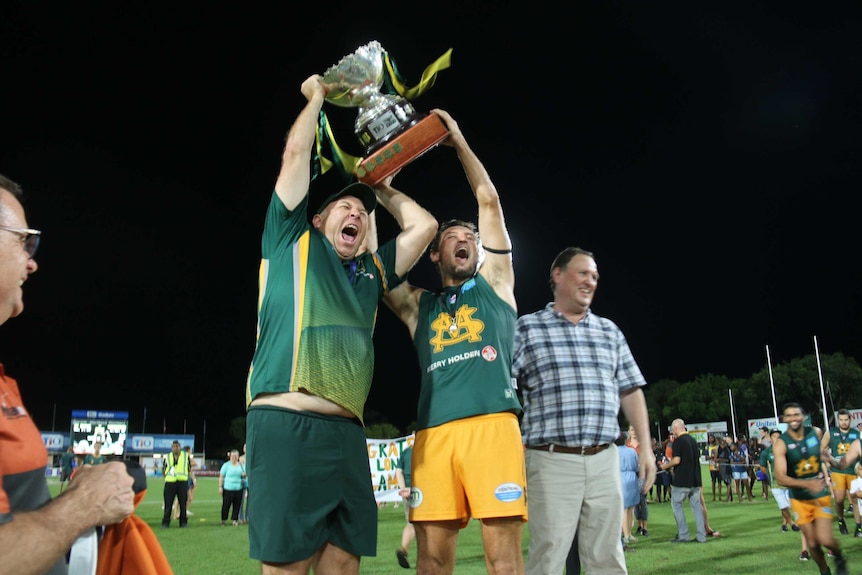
579,450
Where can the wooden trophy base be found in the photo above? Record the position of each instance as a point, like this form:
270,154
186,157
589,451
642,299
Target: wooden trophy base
401,150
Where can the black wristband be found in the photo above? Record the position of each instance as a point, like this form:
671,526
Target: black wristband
493,251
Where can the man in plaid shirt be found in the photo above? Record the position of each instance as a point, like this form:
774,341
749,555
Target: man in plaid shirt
575,370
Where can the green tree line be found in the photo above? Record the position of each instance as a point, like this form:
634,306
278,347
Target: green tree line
706,398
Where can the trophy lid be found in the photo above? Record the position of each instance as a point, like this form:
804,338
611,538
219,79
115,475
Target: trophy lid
357,77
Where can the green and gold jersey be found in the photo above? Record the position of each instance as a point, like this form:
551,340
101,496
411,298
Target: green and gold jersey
316,313
464,339
840,442
803,462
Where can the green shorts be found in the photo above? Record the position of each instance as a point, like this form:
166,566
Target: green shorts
310,484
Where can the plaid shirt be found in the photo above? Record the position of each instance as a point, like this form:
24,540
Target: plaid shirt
571,377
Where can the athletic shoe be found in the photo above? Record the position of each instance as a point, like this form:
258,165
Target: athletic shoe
841,565
858,532
795,527
803,556
842,527
644,532
784,527
402,558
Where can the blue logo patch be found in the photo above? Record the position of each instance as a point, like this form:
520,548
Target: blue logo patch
508,492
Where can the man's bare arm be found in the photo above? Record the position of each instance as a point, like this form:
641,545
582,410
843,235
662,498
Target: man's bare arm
497,268
294,178
33,541
417,225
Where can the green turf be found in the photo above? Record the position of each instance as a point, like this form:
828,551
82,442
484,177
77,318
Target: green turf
751,541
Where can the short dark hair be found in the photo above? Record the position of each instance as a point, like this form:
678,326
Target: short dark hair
843,411
435,243
791,405
562,260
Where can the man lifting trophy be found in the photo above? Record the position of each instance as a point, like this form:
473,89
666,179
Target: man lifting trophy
392,133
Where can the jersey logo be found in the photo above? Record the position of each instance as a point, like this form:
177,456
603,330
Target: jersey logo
807,466
843,448
451,330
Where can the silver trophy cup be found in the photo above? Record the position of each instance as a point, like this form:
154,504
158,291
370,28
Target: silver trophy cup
357,80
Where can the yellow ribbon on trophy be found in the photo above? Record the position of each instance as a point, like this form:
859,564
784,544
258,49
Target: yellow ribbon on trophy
348,162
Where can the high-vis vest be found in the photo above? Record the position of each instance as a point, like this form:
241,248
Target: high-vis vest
178,471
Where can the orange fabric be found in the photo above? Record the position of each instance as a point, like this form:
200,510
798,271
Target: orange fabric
131,548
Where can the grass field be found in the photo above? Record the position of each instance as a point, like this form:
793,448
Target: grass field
751,541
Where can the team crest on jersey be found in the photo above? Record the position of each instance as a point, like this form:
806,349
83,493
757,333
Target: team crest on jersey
807,466
450,330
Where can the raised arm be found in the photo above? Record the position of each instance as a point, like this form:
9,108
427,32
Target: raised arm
98,495
417,225
497,268
294,178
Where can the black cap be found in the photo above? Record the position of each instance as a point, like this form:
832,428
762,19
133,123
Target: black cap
357,190
776,430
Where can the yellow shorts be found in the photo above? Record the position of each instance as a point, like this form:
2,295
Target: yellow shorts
472,467
807,510
841,481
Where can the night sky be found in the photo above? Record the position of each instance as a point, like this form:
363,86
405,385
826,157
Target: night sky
707,155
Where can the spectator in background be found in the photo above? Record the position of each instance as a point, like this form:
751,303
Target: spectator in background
243,511
687,483
855,494
738,471
402,475
193,484
95,458
67,464
36,532
230,487
662,478
177,468
632,488
724,470
640,510
764,439
712,458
